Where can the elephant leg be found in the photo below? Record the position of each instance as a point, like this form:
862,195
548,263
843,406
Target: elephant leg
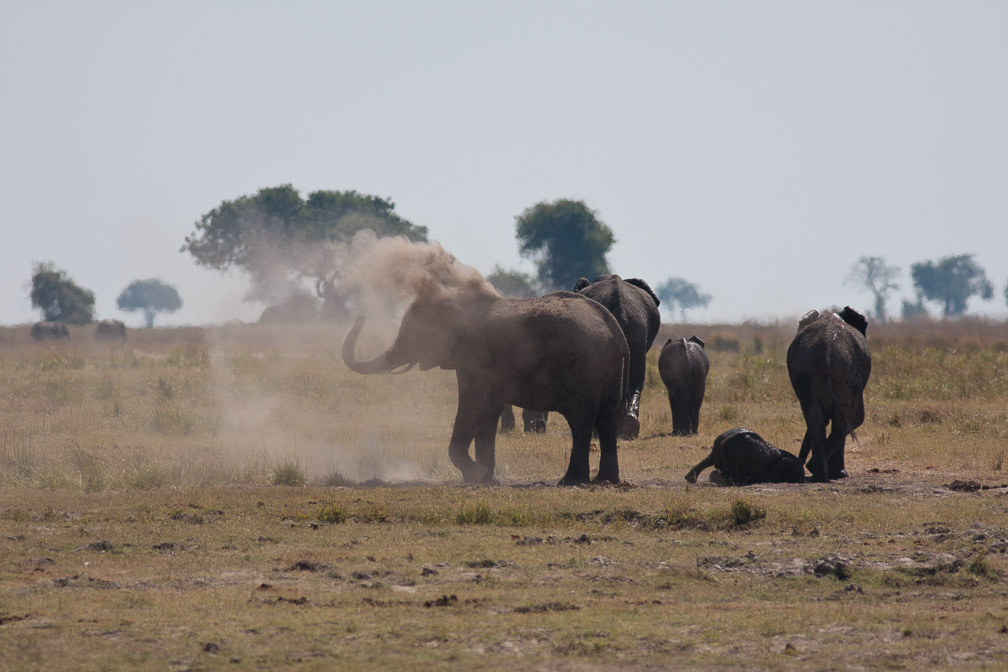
577,469
466,426
486,438
608,426
815,435
630,428
680,415
534,421
507,420
835,448
695,416
692,474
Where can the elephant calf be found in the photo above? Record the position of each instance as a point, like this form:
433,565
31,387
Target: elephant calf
742,457
683,367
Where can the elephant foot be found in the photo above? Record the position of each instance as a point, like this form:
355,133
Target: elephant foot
818,478
571,482
477,474
631,428
690,477
606,479
717,478
838,475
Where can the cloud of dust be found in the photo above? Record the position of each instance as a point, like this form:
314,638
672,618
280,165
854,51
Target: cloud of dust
405,269
377,277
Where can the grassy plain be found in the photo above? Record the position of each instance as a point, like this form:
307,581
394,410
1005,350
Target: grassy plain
236,498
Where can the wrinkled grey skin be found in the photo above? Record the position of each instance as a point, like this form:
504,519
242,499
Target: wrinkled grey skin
532,421
635,308
683,367
40,331
742,457
110,330
829,364
561,352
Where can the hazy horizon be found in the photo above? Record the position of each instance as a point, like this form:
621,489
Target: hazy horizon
754,149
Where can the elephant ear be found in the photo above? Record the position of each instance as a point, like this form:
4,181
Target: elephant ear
854,319
808,318
580,284
442,325
637,282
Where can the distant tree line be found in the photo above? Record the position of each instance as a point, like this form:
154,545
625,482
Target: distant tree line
60,299
949,282
279,240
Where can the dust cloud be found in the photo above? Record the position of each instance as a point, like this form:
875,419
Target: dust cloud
397,266
390,430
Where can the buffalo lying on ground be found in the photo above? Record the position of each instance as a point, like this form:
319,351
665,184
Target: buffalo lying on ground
41,331
742,457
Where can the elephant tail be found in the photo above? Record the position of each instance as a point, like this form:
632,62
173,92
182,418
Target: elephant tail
838,408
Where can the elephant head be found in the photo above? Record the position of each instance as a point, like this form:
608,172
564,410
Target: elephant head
427,337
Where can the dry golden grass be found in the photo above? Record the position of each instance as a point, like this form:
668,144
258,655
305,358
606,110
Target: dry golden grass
144,524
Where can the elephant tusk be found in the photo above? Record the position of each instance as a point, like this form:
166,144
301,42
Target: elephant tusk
406,368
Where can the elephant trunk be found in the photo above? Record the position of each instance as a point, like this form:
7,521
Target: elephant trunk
383,363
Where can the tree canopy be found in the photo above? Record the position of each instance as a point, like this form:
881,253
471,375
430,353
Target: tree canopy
59,297
152,296
513,283
951,282
682,293
877,277
280,239
566,241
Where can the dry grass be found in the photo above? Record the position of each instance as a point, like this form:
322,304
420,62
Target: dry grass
173,502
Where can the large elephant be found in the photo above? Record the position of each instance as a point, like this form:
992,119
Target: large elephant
635,308
560,352
55,330
742,457
829,363
683,367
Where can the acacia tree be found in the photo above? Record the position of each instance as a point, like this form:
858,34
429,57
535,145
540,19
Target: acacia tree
59,297
512,283
566,240
283,241
877,277
951,282
682,293
152,296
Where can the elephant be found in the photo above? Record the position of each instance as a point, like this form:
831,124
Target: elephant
40,331
560,352
829,364
108,330
742,457
533,421
635,307
683,367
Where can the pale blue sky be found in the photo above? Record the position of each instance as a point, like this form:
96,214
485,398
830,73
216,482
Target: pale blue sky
755,148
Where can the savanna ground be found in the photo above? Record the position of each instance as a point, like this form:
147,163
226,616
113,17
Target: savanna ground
235,497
